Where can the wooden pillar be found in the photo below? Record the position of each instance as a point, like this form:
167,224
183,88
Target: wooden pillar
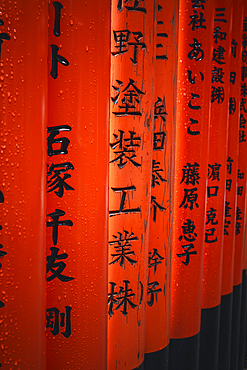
23,53
240,212
217,210
231,191
157,336
192,130
130,203
77,184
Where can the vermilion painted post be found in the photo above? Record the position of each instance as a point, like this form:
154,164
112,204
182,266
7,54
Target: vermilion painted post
217,209
231,192
241,212
23,83
243,318
77,184
157,335
130,166
192,130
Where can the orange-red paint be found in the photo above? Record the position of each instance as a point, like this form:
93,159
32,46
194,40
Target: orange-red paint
232,151
23,111
79,98
190,155
214,226
242,201
131,131
157,334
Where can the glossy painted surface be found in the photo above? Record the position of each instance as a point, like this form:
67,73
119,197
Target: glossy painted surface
22,164
130,166
193,104
78,98
157,334
232,152
218,140
240,239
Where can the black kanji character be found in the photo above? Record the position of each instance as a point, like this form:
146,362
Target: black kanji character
2,254
152,290
56,181
217,94
232,105
242,105
56,268
159,44
156,176
214,171
121,39
244,56
244,40
219,12
218,55
154,259
217,75
219,35
227,223
1,197
245,24
238,213
58,6
126,150
159,140
208,234
55,223
198,4
3,36
159,110
228,184
227,209
212,191
197,20
188,231
56,58
137,36
154,206
53,322
64,141
211,215
242,136
233,77
237,228
112,298
125,297
133,6
194,107
242,121
240,174
240,190
243,73
190,198
243,90
229,163
123,245
187,252
190,174
196,53
131,100
122,209
234,45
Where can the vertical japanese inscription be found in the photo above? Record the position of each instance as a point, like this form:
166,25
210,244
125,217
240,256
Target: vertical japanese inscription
57,184
241,188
